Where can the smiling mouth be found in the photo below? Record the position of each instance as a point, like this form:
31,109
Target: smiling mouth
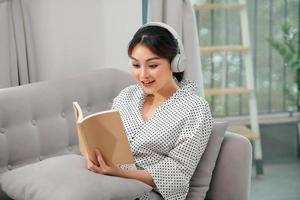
147,83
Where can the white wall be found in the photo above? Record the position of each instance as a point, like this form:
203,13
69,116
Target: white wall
72,36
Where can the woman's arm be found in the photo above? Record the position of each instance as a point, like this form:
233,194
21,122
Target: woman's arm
103,168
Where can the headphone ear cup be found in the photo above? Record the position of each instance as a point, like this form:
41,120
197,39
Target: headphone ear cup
174,63
178,63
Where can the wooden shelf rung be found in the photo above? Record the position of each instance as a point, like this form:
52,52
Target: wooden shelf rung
217,49
227,91
243,130
219,6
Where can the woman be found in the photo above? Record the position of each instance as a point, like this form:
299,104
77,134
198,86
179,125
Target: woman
167,124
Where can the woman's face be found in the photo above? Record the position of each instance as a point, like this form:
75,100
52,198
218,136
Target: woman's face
150,71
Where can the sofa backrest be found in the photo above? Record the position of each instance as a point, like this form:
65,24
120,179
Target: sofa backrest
37,120
231,179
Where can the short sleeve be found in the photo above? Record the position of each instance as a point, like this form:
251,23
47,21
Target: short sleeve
172,174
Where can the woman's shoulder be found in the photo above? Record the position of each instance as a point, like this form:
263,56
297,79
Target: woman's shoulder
188,94
198,100
197,104
130,91
129,95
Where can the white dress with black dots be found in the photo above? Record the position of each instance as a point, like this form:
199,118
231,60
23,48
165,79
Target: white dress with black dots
169,145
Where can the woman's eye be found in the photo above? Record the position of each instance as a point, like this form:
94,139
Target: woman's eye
135,65
153,66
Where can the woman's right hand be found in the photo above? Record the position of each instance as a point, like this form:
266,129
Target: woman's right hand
102,168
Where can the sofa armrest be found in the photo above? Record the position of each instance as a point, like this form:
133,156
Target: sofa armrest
232,174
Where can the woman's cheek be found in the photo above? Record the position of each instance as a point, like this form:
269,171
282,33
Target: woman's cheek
135,75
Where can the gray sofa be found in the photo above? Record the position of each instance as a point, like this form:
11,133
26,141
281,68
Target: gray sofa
37,123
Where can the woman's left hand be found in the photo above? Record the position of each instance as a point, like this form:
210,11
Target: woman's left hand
102,168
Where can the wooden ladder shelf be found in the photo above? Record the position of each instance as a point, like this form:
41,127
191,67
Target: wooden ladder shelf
218,49
253,133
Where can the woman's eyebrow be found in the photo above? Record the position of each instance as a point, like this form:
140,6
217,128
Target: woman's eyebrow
133,58
149,59
153,58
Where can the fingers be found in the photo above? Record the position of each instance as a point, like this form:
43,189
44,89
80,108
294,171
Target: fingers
91,166
105,169
100,158
102,165
94,168
89,163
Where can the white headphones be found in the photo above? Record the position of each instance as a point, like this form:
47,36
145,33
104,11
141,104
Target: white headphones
178,63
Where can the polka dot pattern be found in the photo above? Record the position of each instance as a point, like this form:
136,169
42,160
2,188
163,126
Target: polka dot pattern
170,144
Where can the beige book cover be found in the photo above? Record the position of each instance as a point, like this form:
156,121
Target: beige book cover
105,131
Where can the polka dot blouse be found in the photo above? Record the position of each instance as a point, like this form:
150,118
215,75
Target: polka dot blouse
169,145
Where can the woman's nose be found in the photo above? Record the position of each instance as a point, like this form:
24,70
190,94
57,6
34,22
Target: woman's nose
144,72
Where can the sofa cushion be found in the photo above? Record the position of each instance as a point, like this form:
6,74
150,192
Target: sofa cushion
200,181
66,177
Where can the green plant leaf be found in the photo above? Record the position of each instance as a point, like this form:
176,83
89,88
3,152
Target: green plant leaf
290,93
289,48
282,49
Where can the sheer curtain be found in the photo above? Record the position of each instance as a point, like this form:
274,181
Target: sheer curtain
180,15
74,36
16,54
49,39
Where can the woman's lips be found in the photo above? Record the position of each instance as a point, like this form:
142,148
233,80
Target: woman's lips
147,83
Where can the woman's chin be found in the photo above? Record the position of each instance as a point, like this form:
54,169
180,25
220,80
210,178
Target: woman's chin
148,91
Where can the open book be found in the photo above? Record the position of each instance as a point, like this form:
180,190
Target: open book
105,131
